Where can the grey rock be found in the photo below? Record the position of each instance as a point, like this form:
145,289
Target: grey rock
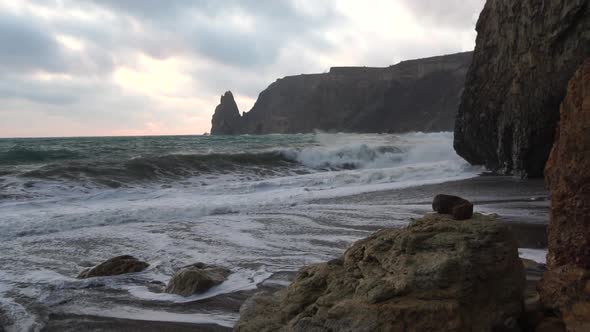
525,53
115,266
196,278
436,275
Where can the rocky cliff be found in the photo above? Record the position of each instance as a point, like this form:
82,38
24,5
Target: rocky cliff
438,274
566,287
525,53
416,95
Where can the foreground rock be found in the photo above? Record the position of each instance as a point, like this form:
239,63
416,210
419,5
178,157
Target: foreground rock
415,95
525,53
196,278
566,287
436,275
115,266
456,206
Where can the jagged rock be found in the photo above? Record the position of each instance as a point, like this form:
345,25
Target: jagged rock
435,275
458,207
196,278
525,53
566,287
416,95
114,266
226,119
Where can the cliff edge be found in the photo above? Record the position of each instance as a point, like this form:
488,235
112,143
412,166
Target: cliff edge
415,95
526,51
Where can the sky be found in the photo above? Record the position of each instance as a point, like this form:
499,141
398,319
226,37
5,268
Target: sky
159,67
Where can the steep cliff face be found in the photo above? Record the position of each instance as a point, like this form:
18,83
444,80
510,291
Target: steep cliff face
525,53
226,119
417,95
566,286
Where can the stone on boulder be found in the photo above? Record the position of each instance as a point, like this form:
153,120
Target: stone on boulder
435,275
460,208
196,278
566,287
114,266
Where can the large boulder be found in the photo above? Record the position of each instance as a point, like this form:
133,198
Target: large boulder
525,53
435,275
115,266
566,287
196,278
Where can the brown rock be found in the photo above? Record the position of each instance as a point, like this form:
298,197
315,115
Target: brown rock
196,278
114,266
568,175
435,275
550,324
460,208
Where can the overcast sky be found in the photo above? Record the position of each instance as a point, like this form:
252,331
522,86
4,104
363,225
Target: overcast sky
143,67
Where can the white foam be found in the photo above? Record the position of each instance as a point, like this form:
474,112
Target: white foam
126,312
239,280
537,255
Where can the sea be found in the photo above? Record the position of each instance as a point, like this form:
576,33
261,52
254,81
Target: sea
260,205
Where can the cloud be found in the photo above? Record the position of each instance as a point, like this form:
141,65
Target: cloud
26,46
158,67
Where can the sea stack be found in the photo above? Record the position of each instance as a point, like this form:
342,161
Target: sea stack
526,51
226,119
566,286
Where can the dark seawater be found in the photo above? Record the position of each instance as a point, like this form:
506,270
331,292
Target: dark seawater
262,206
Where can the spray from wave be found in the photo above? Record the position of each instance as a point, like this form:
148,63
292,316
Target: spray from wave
311,161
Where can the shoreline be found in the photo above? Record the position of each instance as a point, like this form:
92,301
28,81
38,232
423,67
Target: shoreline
521,203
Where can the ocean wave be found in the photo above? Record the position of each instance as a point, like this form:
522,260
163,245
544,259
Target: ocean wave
20,155
114,173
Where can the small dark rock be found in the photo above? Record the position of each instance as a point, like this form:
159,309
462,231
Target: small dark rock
196,278
460,208
463,211
114,266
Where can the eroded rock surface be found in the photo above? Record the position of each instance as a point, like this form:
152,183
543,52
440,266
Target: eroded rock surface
526,51
415,95
115,266
566,287
196,278
438,274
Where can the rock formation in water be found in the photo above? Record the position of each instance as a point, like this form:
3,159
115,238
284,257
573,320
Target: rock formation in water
566,287
438,274
416,95
196,278
115,266
226,119
525,53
